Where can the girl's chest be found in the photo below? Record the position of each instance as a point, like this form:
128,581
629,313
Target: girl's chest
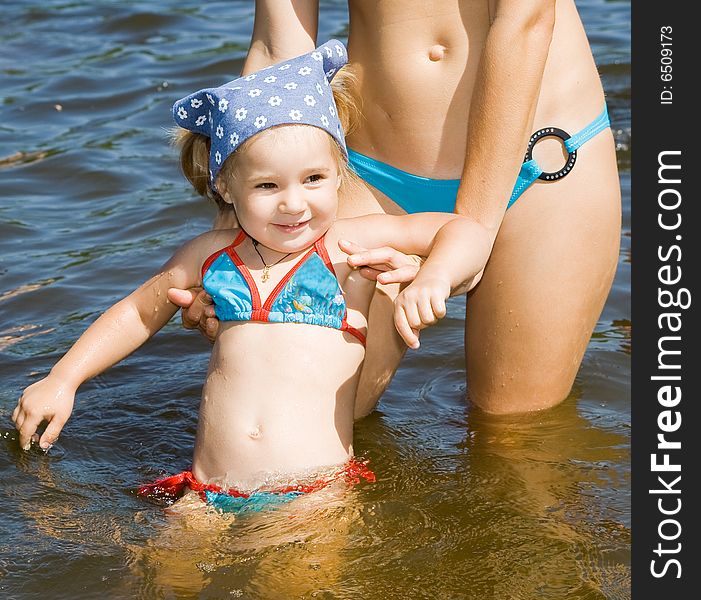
319,288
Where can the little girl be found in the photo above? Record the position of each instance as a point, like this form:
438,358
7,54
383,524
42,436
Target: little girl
278,397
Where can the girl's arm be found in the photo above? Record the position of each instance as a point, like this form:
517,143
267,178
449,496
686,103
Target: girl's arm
455,260
456,247
503,106
112,337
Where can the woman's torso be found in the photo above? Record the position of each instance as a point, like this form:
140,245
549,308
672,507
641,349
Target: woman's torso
279,397
417,65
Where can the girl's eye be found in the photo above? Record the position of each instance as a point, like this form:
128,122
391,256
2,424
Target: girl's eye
266,186
316,178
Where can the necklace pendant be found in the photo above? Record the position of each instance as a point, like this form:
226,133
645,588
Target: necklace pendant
266,274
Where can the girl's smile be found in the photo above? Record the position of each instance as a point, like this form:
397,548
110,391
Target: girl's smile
285,200
292,227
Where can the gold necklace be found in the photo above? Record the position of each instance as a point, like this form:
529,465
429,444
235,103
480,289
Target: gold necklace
266,267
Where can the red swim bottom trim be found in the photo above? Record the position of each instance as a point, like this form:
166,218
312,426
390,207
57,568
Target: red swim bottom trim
175,485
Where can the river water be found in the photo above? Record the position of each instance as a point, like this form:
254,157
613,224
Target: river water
91,202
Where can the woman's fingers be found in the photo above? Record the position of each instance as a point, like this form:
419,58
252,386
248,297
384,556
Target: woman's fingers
405,274
191,309
401,275
182,298
369,273
211,326
195,317
384,258
350,247
384,265
381,258
197,310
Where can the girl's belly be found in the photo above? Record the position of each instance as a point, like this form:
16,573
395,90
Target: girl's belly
278,399
417,65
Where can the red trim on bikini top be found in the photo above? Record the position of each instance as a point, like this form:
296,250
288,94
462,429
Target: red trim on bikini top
261,313
321,249
212,257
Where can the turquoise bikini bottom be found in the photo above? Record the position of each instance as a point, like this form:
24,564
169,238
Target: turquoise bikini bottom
423,194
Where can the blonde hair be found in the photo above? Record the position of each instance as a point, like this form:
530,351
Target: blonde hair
194,147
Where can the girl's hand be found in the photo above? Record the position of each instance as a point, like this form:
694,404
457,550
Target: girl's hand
419,306
197,310
384,265
49,400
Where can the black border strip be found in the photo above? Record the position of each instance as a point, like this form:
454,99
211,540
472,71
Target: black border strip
662,132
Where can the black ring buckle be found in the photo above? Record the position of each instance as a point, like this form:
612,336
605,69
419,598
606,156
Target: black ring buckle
551,132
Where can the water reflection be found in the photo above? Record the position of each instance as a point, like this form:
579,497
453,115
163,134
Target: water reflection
533,506
293,551
539,500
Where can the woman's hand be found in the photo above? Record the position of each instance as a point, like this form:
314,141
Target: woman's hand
197,310
384,265
419,306
49,400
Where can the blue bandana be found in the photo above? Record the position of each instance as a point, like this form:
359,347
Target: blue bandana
294,91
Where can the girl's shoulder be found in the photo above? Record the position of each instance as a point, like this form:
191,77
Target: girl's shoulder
197,250
211,241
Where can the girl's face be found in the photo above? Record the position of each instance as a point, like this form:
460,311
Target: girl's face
284,187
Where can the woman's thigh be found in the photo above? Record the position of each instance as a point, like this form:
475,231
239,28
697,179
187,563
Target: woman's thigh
383,353
530,318
384,348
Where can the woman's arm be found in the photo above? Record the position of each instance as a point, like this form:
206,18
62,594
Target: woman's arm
112,337
281,29
503,105
500,123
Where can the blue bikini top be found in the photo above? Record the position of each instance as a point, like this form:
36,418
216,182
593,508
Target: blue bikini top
309,293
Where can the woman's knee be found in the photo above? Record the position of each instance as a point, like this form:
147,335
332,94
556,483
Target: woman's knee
511,395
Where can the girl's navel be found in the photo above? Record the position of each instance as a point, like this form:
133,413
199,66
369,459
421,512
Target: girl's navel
436,52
